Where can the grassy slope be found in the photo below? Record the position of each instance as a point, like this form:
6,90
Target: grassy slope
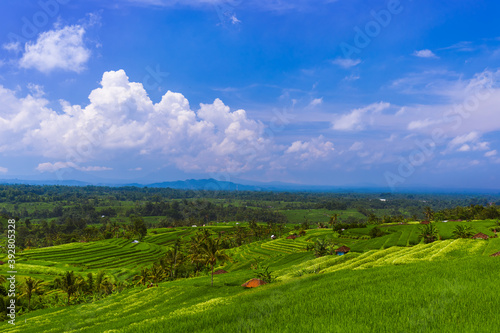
410,289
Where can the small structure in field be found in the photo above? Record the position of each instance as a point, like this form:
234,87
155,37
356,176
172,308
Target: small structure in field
425,222
495,254
253,283
220,271
273,237
193,226
342,250
1,262
291,237
135,241
480,235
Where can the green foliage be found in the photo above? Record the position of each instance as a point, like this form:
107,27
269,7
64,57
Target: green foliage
429,232
266,275
463,231
376,232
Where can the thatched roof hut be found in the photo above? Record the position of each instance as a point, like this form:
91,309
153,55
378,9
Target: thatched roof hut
220,271
480,235
253,283
291,237
342,250
495,254
425,222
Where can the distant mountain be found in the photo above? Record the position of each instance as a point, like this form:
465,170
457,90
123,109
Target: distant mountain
44,182
216,185
206,184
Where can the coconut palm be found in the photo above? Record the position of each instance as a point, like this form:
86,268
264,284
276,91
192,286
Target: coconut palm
429,232
462,231
333,220
31,286
142,277
70,283
429,214
209,252
320,248
156,274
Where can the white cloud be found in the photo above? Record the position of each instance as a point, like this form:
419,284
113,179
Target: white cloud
316,148
57,49
3,170
468,142
52,167
12,47
121,119
316,101
424,54
354,120
356,146
346,62
234,19
490,153
352,77
419,124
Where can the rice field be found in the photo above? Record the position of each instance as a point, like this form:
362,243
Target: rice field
445,286
119,256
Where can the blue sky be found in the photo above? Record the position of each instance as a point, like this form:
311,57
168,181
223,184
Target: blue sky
384,93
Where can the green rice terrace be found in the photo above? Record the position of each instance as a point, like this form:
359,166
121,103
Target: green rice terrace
143,260
392,283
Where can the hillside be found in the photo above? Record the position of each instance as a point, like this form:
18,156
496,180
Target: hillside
445,286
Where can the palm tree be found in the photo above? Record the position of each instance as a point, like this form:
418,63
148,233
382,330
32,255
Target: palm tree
333,219
320,248
31,286
70,283
173,259
209,252
142,278
429,214
156,274
462,231
429,233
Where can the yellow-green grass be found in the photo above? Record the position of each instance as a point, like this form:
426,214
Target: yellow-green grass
432,294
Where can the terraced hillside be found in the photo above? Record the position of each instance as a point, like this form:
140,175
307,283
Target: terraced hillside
445,286
119,256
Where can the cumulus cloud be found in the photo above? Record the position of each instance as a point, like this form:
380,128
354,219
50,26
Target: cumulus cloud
346,62
121,119
61,48
424,54
316,148
355,119
468,142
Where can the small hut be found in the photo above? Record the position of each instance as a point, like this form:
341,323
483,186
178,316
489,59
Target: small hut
342,250
220,271
424,222
495,254
291,237
253,283
480,236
